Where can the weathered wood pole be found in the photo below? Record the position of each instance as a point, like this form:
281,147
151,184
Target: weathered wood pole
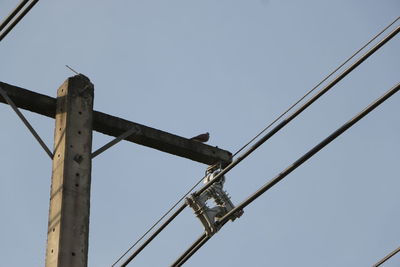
68,227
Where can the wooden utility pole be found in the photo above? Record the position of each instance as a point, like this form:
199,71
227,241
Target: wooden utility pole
68,227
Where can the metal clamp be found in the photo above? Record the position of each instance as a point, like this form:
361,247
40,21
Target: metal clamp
209,217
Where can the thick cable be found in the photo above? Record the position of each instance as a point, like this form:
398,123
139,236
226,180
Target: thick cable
300,161
391,254
12,14
315,87
15,22
286,121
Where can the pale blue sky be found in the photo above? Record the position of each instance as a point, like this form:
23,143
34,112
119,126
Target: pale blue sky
229,68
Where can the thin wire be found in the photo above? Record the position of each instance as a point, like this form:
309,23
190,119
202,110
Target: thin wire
315,87
71,69
391,254
291,107
158,221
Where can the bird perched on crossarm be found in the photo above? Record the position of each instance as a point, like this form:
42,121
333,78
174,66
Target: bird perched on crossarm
201,137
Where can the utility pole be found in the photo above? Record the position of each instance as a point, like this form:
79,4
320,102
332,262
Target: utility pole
115,126
68,226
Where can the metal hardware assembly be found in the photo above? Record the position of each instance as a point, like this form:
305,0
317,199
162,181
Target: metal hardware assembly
209,217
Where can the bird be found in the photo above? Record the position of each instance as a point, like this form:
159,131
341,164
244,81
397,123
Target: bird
201,137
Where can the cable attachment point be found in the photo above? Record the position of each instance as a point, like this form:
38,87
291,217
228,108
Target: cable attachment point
209,217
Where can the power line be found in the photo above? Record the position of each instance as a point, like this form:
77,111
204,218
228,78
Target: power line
269,134
12,14
18,19
315,87
153,226
170,219
191,250
204,238
313,151
391,254
303,107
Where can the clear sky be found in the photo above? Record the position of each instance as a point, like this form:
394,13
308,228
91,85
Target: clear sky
229,68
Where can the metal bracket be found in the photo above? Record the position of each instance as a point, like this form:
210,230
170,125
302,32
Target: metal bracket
132,130
4,94
209,217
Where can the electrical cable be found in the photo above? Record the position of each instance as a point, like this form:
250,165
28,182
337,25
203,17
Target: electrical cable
191,250
201,241
18,19
284,122
313,151
391,254
154,225
315,87
276,129
170,219
12,14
